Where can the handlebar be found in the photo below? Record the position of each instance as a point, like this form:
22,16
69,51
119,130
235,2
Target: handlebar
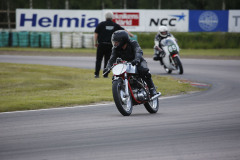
118,61
108,71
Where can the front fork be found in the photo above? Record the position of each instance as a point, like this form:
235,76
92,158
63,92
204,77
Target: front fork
172,59
126,85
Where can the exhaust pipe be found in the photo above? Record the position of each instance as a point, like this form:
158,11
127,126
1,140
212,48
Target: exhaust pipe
156,96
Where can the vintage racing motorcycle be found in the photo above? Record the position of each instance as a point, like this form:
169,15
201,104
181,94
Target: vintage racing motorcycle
171,60
130,89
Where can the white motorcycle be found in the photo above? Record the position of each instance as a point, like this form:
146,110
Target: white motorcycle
171,60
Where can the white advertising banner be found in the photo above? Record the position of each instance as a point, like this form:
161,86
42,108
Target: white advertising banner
234,21
87,20
132,20
175,20
57,20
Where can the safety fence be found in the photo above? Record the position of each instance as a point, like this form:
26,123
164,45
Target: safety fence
46,39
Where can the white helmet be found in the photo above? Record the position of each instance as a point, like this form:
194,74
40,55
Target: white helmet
109,15
163,31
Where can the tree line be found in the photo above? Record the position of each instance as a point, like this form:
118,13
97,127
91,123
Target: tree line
121,4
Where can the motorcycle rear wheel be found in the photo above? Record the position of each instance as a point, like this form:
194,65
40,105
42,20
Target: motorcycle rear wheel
152,106
123,104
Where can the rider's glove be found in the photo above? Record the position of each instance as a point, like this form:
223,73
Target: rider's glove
158,48
106,70
135,62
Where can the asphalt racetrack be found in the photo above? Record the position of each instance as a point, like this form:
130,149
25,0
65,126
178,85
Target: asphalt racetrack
198,126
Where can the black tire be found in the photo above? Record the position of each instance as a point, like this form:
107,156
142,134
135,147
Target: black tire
169,71
124,105
178,64
152,106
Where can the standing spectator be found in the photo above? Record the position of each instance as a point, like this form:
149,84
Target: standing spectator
102,37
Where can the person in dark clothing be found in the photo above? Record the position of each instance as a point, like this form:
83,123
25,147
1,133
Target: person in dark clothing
129,50
102,37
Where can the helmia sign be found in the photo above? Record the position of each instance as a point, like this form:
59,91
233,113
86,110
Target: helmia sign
126,18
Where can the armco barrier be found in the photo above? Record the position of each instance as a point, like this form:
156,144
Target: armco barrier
88,41
14,40
45,40
23,39
1,41
56,39
34,39
77,40
66,40
4,39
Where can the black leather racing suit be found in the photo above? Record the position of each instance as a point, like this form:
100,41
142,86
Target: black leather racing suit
133,52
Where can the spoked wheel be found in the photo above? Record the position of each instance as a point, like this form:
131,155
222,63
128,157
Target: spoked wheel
178,65
152,106
169,71
123,103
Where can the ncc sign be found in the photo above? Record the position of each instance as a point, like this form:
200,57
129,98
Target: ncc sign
175,20
132,20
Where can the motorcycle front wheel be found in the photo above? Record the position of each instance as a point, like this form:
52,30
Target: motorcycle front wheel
152,106
124,104
178,64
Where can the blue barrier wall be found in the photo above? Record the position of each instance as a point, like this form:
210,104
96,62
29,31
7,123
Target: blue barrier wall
208,21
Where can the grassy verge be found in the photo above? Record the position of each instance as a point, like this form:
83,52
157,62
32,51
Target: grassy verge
27,87
68,50
195,40
185,53
205,53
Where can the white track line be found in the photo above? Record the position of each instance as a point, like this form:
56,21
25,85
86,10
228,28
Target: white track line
83,106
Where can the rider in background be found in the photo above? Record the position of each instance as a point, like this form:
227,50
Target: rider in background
130,51
158,51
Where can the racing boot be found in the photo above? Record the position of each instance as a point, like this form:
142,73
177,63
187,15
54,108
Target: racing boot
151,87
152,91
162,54
161,62
156,57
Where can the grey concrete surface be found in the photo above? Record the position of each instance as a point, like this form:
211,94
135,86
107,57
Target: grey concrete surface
204,125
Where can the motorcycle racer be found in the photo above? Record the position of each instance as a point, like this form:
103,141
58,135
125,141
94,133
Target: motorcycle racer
162,34
129,50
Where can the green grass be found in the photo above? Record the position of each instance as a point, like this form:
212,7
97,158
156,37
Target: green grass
204,53
28,87
211,52
184,53
70,50
49,51
195,40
